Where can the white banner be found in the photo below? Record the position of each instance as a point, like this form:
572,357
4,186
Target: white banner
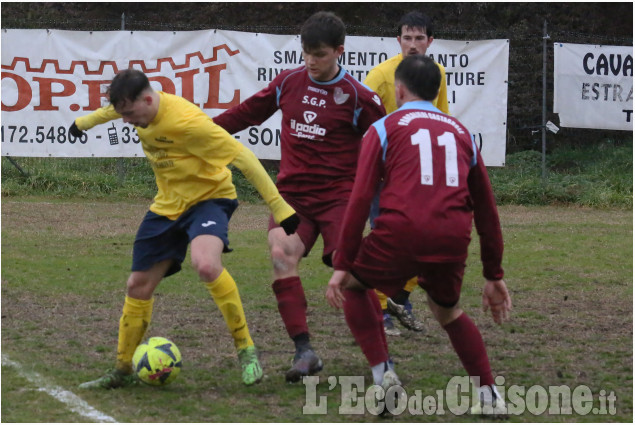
50,77
593,86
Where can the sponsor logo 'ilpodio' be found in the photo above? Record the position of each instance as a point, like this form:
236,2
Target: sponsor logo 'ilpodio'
314,129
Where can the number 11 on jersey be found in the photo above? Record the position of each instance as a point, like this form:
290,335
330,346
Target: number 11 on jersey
423,139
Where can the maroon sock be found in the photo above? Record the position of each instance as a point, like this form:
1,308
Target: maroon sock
375,300
291,304
468,344
366,323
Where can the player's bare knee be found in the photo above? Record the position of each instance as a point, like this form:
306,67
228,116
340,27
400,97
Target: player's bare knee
281,260
208,271
139,287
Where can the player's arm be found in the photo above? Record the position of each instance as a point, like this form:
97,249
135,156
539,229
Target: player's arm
352,228
210,141
376,82
86,122
253,171
442,98
495,294
372,110
486,220
253,111
368,175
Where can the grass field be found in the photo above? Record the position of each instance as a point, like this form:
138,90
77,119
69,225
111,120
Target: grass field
64,265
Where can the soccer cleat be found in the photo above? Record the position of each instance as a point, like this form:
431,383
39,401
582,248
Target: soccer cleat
389,381
405,316
304,364
252,372
113,379
489,408
389,326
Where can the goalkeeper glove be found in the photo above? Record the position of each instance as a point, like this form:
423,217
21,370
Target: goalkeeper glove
74,131
290,224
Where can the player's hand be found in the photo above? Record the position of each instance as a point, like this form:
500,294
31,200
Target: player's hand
334,294
497,299
290,224
74,131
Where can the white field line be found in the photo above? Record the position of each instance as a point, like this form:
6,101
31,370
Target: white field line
74,403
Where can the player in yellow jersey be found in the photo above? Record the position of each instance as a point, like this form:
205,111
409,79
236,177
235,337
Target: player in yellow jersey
189,154
414,34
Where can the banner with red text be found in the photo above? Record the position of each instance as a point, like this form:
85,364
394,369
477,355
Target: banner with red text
50,77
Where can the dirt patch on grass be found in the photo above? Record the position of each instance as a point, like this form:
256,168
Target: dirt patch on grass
95,219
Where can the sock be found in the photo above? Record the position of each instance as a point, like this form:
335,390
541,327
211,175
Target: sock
401,297
302,342
225,294
378,372
411,284
468,344
374,299
487,394
364,318
383,300
291,305
134,321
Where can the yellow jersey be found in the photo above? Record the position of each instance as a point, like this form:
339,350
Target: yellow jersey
381,79
189,155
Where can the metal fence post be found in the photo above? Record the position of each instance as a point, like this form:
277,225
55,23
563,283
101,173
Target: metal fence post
121,166
545,36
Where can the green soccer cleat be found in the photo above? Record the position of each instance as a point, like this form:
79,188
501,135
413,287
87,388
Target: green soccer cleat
252,372
111,380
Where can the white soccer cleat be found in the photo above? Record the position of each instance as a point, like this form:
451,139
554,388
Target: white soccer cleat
489,408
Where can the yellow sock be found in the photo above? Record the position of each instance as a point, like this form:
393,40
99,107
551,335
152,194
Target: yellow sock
225,294
133,324
411,284
382,299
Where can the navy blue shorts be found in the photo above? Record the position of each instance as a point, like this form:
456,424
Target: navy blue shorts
160,238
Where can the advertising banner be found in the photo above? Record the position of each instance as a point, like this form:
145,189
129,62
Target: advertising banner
51,77
593,86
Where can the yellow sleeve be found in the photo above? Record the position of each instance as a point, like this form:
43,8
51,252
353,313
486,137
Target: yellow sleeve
442,98
100,116
376,82
253,170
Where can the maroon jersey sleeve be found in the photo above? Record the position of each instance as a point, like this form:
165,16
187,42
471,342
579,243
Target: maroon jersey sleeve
252,111
372,109
368,175
486,221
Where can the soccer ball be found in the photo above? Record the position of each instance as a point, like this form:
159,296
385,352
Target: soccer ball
157,361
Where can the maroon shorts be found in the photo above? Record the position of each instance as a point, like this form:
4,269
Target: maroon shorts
388,269
318,216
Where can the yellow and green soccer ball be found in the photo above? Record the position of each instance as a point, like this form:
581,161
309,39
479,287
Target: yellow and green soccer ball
157,361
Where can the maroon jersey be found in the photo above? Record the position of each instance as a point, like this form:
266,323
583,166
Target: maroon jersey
322,127
434,182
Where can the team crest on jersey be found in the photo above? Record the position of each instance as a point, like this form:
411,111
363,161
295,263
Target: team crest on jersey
339,96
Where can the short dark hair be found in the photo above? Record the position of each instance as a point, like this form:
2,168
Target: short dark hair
127,86
415,20
421,76
322,28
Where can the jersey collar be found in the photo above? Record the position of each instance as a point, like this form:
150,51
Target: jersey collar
424,105
337,78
